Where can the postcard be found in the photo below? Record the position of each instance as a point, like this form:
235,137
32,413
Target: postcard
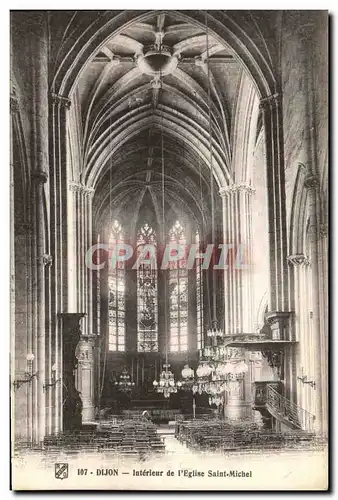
169,250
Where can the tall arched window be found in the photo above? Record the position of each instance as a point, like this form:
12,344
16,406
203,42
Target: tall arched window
147,303
178,295
199,296
116,293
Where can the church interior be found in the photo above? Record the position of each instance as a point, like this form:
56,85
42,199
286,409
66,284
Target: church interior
137,131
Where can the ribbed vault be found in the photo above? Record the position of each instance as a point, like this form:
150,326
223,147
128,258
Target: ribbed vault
150,83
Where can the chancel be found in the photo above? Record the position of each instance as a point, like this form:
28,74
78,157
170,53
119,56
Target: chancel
169,214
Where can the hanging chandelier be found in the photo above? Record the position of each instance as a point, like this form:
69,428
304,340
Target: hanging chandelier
125,383
215,332
166,384
187,373
188,378
212,378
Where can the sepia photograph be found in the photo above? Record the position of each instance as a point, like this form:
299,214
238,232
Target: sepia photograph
169,206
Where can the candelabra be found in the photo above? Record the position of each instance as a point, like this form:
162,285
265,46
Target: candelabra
29,376
304,379
54,380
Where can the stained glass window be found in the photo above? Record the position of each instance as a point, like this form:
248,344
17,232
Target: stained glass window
116,293
199,296
178,294
147,303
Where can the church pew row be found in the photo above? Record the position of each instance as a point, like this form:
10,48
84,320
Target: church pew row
124,438
223,436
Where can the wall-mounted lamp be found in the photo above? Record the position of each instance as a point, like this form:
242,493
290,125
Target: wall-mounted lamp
54,380
304,379
28,374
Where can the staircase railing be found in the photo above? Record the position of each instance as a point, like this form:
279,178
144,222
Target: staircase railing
276,403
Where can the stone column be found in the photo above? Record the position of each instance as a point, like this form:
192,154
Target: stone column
324,316
20,340
38,304
321,358
58,236
89,193
82,229
38,81
76,204
98,336
303,329
236,201
272,119
14,109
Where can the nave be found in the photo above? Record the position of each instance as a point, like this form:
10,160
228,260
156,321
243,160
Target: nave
169,186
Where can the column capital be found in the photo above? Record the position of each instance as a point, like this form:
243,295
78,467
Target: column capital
60,100
81,188
89,192
298,259
269,101
235,188
75,187
39,176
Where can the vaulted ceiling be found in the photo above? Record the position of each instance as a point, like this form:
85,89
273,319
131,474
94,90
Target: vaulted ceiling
147,90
